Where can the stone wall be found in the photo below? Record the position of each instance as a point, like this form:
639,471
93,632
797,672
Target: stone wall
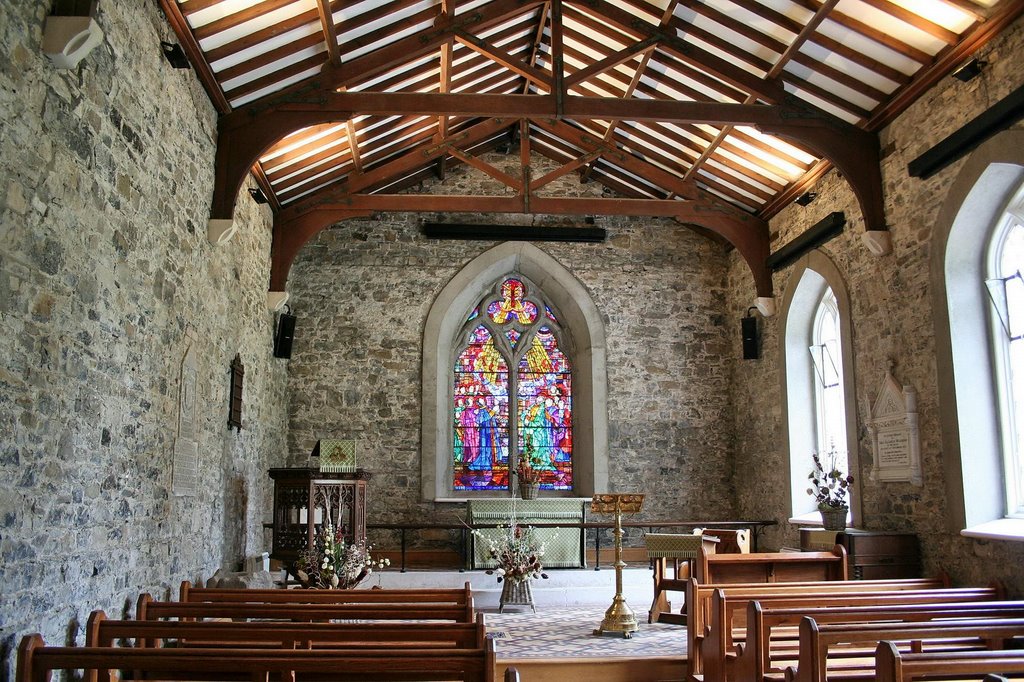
105,274
892,318
362,291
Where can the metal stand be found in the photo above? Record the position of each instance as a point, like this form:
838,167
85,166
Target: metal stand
619,618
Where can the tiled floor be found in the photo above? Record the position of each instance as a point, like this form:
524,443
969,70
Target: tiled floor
568,633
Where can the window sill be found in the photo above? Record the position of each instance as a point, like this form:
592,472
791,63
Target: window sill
1000,529
813,519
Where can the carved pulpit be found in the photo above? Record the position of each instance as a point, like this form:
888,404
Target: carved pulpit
307,498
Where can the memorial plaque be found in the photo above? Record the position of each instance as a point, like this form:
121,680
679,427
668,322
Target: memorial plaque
895,438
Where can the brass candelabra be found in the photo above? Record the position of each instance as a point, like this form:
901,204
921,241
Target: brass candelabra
619,618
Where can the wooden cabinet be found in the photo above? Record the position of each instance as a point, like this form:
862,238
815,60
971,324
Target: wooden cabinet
306,498
873,555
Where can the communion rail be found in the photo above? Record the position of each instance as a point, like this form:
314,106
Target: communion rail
466,529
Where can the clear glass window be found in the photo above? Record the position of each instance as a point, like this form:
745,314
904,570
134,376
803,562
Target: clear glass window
1008,334
829,403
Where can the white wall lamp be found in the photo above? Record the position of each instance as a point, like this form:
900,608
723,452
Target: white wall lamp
71,32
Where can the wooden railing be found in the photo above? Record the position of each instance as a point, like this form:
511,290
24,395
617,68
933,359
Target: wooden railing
466,529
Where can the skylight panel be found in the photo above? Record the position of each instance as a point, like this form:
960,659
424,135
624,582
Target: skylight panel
266,46
303,141
272,67
274,87
783,147
887,23
938,12
253,25
838,89
822,104
840,63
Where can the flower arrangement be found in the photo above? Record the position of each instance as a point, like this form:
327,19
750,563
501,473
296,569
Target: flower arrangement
524,466
516,552
331,563
829,486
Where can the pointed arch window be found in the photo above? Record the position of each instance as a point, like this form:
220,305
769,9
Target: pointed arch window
829,403
512,346
1006,264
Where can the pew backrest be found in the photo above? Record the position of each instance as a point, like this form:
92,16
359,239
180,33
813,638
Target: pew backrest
102,631
990,666
771,567
698,599
755,660
36,661
150,609
189,593
817,640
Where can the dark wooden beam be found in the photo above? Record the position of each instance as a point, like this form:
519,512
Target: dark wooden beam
749,236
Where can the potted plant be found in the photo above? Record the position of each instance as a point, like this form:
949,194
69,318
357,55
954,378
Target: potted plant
517,555
830,487
332,563
528,476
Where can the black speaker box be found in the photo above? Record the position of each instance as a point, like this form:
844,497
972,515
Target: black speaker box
284,336
749,329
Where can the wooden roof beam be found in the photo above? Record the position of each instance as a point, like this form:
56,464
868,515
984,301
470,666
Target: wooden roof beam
241,140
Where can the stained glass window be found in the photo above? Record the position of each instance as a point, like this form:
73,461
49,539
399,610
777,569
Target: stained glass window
512,334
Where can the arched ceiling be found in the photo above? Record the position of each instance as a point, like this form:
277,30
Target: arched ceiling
715,112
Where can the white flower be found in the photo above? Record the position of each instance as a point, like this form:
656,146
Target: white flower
334,581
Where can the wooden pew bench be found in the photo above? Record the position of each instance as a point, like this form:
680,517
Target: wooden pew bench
770,567
836,651
149,609
699,621
771,645
460,596
101,631
727,620
36,661
892,665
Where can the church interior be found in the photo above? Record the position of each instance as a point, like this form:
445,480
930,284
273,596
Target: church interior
638,265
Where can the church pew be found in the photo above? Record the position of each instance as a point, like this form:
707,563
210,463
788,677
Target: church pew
149,609
769,646
817,642
892,665
727,622
102,631
699,596
453,596
36,661
771,567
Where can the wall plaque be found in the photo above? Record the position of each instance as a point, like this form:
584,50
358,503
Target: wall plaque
895,438
185,465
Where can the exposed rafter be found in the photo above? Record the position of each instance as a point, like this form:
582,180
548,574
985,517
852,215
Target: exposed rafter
709,111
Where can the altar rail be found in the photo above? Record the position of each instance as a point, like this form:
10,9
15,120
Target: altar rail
465,529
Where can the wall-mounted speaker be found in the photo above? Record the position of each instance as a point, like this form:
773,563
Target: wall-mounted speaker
284,336
748,326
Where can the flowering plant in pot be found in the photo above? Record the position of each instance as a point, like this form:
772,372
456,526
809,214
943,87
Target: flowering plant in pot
516,553
527,475
332,563
830,487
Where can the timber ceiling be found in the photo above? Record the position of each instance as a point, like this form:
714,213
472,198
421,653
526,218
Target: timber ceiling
732,107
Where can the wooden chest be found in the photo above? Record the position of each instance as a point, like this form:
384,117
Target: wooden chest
873,555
